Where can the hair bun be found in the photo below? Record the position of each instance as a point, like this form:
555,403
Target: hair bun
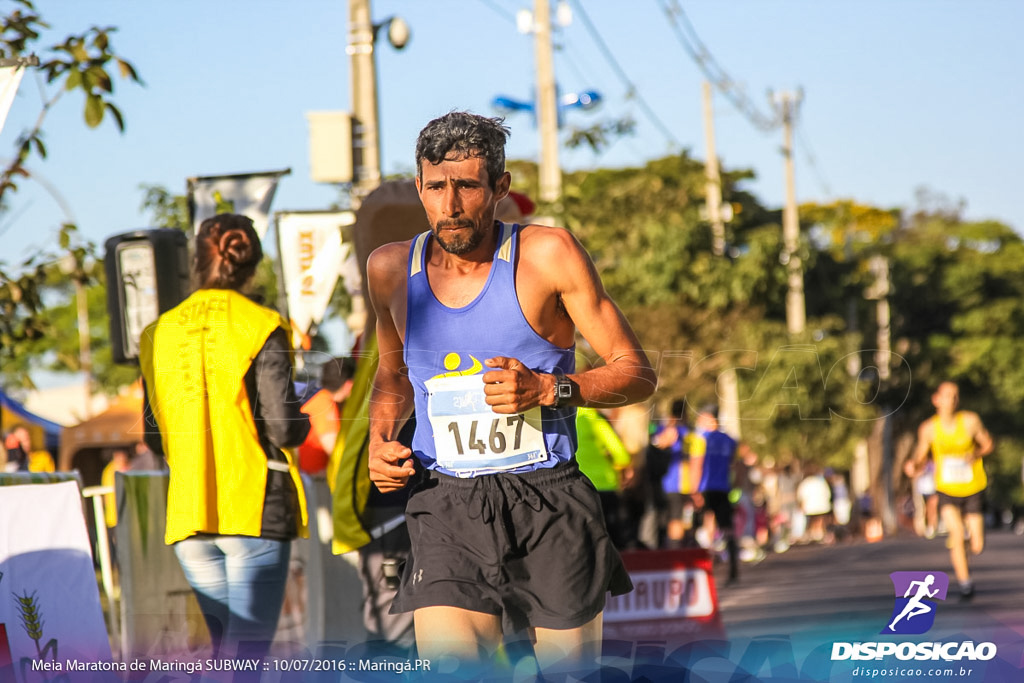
228,251
235,247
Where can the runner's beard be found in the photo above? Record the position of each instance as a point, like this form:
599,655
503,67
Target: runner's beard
458,245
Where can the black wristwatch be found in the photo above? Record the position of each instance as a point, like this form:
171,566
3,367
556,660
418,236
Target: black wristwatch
565,388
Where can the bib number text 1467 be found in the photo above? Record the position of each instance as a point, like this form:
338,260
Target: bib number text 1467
497,441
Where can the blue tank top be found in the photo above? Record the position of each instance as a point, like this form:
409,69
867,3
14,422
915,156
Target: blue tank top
676,477
718,452
444,342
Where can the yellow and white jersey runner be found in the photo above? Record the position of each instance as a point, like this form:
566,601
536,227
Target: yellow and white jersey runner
956,474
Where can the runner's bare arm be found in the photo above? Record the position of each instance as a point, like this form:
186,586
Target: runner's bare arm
391,400
626,376
915,463
982,439
665,438
555,255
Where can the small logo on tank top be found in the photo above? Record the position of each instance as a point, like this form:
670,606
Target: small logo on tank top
453,361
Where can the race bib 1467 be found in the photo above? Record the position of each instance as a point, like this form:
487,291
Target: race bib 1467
469,437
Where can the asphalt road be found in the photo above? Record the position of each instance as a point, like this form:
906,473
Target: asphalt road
785,615
823,586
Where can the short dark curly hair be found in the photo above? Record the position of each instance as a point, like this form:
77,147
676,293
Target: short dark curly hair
464,134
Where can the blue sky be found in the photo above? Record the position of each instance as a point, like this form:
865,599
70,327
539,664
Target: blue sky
897,95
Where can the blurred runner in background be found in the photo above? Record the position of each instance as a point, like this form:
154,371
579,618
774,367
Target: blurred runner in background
957,442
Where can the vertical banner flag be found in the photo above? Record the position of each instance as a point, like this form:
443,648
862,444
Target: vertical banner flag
50,613
249,194
313,253
10,79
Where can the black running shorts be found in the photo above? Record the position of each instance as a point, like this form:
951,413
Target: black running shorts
967,505
531,548
717,502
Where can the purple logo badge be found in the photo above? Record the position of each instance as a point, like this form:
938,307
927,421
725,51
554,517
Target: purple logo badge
914,611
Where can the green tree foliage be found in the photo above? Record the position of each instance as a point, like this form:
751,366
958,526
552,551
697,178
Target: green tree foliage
843,236
599,136
699,314
60,352
47,339
166,209
83,63
847,229
957,312
958,302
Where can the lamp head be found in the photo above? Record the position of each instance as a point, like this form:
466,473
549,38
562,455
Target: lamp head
398,32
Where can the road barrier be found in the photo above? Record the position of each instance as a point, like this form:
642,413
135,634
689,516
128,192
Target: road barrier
673,599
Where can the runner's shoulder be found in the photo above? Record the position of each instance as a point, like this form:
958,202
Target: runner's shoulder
970,418
388,261
548,242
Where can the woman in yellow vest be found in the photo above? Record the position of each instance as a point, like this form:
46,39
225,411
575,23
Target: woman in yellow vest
118,463
220,405
957,441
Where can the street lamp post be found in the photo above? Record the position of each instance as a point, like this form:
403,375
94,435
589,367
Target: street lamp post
362,37
547,105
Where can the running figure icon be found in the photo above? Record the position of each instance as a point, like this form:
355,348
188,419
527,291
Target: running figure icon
915,606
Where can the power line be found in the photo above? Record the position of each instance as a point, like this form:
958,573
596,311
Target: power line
498,9
711,69
631,91
563,53
812,162
805,145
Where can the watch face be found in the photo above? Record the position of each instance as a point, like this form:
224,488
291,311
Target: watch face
563,391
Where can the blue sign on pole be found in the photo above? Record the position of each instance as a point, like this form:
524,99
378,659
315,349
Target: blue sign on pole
585,100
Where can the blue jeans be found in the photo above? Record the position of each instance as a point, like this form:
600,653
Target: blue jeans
239,582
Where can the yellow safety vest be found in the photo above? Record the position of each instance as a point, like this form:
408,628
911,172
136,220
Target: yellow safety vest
109,499
194,359
348,471
954,476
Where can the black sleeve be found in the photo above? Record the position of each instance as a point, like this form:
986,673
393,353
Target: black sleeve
150,429
276,408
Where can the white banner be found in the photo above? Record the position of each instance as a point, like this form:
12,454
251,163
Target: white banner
10,79
249,194
50,613
313,255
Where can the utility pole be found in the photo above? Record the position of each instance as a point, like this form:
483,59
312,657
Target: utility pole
796,311
547,104
84,343
853,362
713,187
75,265
727,384
879,291
366,141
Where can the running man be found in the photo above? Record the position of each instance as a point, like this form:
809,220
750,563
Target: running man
915,606
957,441
681,479
713,454
476,324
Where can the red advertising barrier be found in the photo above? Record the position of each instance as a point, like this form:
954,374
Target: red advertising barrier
6,662
673,599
